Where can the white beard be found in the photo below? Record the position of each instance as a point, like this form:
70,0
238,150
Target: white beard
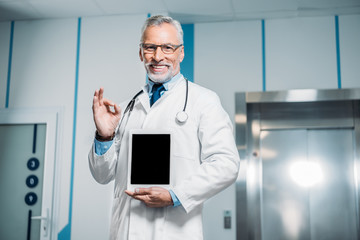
159,77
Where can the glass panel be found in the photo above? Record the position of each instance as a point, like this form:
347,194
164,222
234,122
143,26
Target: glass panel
22,148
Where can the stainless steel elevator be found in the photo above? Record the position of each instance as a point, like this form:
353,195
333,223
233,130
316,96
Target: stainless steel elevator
300,168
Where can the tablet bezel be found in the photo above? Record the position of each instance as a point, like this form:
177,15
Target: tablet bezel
132,132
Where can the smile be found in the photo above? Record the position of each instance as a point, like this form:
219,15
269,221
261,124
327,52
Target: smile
158,68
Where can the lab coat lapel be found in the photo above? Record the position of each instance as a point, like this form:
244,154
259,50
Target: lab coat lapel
144,100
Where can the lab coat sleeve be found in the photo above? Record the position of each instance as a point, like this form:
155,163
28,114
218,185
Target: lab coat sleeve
103,167
219,156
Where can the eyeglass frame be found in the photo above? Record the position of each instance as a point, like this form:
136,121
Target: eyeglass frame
161,47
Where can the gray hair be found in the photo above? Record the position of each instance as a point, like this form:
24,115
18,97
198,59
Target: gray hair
157,21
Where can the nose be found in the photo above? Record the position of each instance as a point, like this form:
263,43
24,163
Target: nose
158,54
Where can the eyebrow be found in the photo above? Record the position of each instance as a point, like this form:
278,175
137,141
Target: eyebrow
162,43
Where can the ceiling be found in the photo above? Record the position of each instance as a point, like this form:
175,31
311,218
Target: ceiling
187,11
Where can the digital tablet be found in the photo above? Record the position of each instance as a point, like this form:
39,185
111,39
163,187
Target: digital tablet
149,158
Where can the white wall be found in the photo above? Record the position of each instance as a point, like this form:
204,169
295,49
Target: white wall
300,53
228,58
350,50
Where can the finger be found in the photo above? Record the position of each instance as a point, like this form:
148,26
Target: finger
142,191
101,93
117,109
96,94
135,196
96,103
158,189
110,106
130,193
108,102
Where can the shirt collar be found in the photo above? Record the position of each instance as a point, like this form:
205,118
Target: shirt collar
167,85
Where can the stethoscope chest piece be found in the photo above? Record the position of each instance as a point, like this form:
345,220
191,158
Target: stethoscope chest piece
181,117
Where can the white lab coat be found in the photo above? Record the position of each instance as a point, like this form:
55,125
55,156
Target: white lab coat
205,161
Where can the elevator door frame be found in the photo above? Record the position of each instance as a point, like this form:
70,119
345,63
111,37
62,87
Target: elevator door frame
249,123
50,197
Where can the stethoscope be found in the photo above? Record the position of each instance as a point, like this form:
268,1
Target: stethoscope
181,116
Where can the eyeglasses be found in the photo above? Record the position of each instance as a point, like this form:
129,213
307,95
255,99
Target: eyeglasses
165,48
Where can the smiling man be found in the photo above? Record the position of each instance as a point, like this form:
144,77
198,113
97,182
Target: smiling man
204,155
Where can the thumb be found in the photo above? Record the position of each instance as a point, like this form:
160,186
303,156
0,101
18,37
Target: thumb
117,109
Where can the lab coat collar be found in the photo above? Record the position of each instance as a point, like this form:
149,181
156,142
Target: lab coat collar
143,99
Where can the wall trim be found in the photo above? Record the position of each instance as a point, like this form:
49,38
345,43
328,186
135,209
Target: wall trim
263,55
65,233
337,39
9,64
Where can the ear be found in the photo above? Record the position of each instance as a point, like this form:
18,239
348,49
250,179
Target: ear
140,55
182,54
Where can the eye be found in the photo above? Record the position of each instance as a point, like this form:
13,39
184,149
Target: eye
149,47
153,48
168,47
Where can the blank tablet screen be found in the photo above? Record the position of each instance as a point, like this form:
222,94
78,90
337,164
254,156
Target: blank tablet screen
150,159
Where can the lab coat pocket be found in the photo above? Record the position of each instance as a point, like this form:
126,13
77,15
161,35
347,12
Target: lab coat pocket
181,168
185,140
181,225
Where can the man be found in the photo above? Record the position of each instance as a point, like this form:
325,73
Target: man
204,155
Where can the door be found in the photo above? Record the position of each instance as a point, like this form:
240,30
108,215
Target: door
21,179
308,184
27,164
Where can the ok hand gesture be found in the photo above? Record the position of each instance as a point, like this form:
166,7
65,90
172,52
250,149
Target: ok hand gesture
106,114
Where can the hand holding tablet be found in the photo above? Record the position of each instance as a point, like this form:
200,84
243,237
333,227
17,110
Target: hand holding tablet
152,197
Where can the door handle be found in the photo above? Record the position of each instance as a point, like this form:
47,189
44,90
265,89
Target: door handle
46,220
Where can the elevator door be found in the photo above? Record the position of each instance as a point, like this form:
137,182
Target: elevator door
308,184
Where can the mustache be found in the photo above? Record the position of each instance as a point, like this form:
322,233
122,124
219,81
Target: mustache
157,63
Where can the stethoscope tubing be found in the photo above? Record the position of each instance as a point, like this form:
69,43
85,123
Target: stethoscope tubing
181,116
187,94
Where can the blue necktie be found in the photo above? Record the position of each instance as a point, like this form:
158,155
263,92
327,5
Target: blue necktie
156,90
